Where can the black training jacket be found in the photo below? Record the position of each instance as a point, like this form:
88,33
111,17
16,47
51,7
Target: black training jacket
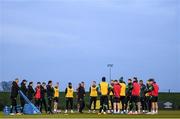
14,90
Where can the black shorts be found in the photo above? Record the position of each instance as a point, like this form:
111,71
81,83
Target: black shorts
56,99
135,99
142,99
127,99
154,99
122,98
116,100
93,98
104,100
111,98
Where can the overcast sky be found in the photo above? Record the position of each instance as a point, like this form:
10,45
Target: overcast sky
74,40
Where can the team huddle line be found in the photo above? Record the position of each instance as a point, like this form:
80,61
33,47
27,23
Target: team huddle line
132,98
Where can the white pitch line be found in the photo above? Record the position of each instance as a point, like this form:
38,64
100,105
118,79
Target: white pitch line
90,118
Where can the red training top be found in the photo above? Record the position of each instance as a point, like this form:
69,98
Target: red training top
38,93
136,89
117,90
155,90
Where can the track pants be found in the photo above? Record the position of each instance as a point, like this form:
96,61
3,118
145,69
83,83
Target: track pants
38,103
43,102
82,104
92,101
143,104
122,100
50,102
103,103
111,101
14,105
69,101
22,103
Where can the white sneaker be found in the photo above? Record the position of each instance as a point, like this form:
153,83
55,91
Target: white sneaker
58,111
55,111
135,112
149,113
104,112
125,111
94,111
12,114
130,112
108,111
139,111
89,111
19,113
118,112
72,111
155,112
65,111
114,111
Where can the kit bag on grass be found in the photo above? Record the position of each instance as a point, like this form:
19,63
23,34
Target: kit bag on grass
29,107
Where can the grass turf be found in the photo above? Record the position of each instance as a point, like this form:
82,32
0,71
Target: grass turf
162,114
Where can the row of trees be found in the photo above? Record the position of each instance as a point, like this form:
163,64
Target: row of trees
5,86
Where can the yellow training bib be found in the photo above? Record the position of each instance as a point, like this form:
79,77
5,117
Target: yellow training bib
93,92
123,89
56,92
69,93
111,92
104,88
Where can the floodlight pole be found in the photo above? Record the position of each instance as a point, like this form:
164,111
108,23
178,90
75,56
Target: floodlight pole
110,66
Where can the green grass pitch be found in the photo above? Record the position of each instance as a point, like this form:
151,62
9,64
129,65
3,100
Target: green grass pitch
162,114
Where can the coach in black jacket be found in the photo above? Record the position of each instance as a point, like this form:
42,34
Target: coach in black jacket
14,94
50,95
43,97
81,94
30,91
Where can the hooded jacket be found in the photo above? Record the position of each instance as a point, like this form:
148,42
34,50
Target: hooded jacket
14,90
23,89
30,92
50,91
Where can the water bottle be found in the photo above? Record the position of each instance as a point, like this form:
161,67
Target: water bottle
6,110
